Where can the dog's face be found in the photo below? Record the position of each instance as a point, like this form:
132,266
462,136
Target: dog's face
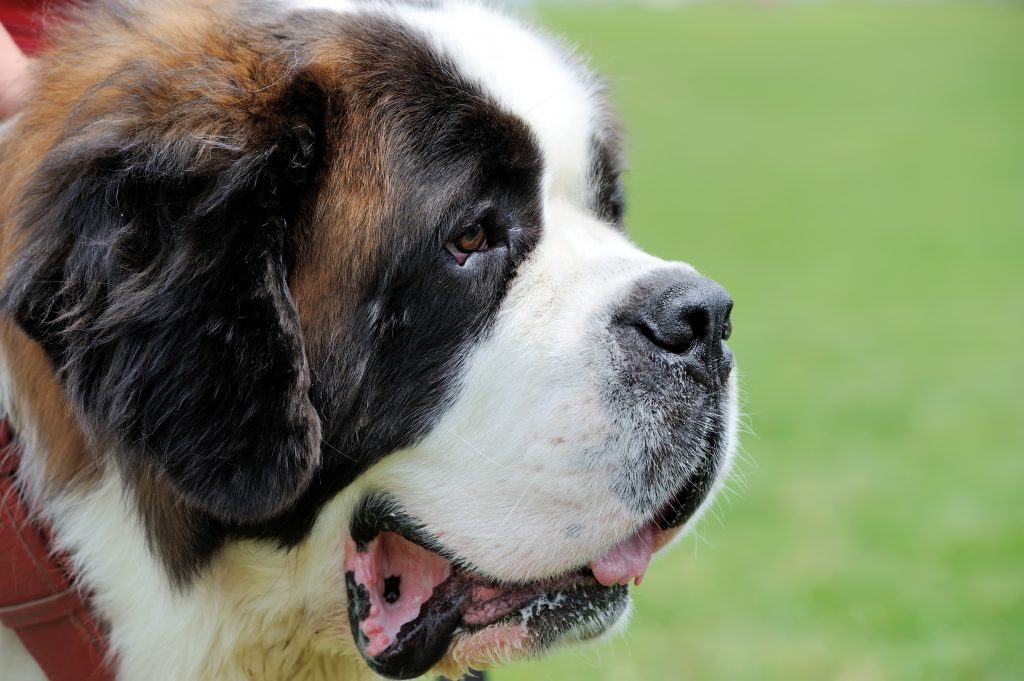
356,278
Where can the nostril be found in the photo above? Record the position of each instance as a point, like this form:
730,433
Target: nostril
698,319
679,342
677,324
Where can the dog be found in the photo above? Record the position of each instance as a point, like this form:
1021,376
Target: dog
326,349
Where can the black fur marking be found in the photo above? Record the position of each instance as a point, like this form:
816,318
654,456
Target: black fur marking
358,600
154,273
606,179
379,512
454,154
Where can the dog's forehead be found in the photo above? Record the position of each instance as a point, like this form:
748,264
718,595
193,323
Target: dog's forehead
526,76
523,73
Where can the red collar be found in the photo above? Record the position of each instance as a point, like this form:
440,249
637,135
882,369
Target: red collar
37,597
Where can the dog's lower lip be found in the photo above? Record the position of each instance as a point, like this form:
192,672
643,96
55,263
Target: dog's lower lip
685,502
408,602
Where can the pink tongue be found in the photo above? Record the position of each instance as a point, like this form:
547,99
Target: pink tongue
626,561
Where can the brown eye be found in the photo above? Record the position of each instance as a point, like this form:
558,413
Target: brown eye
475,239
472,240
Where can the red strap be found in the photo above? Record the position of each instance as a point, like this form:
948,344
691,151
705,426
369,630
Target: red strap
25,20
21,19
37,598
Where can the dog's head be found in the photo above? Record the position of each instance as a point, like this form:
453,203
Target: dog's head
356,276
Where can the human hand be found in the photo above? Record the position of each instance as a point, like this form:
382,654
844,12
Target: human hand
13,75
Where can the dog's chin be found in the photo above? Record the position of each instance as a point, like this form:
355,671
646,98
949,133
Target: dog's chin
415,606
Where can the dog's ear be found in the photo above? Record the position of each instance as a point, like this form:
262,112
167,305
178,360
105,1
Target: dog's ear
155,244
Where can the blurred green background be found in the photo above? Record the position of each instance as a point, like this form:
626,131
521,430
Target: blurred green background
854,174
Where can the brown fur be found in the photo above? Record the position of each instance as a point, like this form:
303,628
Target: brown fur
38,402
94,55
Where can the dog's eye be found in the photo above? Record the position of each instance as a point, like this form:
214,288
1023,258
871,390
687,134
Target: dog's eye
472,240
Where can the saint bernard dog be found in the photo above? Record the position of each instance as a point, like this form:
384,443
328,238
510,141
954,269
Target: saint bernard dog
325,345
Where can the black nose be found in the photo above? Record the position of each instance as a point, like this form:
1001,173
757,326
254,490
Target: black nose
687,317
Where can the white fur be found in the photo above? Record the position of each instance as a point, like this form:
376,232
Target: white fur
255,614
8,124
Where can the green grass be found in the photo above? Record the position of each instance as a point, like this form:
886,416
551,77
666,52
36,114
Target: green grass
854,174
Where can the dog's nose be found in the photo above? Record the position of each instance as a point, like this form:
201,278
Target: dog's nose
687,317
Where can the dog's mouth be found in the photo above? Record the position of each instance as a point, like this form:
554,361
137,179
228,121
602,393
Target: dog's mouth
410,602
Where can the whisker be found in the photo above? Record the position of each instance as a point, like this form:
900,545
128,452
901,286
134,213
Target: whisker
471,446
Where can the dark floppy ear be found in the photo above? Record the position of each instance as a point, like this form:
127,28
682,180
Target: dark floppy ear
156,238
